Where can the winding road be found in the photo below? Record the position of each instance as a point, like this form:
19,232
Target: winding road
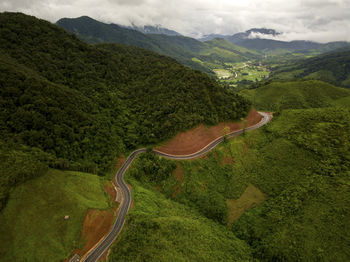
104,244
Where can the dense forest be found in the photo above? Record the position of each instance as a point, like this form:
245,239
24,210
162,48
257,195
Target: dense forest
80,106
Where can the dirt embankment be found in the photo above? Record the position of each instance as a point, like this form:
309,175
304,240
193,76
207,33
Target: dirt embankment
195,139
97,223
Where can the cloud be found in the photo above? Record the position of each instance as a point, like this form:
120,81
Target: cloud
318,20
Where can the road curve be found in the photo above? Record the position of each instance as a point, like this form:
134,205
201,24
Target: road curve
103,245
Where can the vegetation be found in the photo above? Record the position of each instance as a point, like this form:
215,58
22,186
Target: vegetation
276,96
188,51
159,229
32,225
332,67
244,74
300,162
84,105
69,105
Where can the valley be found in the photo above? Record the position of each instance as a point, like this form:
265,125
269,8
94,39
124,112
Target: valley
221,148
242,74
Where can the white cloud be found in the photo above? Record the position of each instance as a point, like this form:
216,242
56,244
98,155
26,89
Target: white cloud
318,20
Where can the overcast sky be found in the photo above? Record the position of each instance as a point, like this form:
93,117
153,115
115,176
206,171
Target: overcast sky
318,20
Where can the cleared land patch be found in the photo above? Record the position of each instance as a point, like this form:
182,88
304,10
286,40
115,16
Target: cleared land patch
222,73
195,139
97,223
44,202
251,197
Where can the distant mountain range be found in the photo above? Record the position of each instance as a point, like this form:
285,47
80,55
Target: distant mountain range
262,39
189,51
206,55
249,34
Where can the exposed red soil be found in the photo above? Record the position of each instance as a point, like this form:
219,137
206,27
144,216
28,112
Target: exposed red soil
109,188
179,175
227,160
120,161
195,139
97,223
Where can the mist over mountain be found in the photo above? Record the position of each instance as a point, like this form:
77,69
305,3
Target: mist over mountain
156,29
263,39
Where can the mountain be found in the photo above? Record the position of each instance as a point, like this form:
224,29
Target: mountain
149,29
186,50
251,33
212,36
266,40
76,106
332,67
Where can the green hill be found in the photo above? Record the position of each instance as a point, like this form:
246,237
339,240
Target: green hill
184,49
277,96
32,225
159,229
283,189
332,67
81,106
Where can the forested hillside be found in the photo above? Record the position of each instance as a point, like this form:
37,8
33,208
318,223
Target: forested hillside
184,49
277,96
80,106
332,67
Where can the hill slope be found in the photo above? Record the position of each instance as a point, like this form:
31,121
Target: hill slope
81,106
283,189
35,215
277,96
332,67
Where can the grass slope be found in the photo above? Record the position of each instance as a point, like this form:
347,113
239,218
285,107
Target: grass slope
296,94
32,225
159,229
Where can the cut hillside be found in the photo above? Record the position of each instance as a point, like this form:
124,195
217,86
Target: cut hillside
97,223
193,140
296,95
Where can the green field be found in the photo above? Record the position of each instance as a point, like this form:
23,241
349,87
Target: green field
32,225
222,73
241,74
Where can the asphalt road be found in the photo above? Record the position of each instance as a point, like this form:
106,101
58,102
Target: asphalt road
95,254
